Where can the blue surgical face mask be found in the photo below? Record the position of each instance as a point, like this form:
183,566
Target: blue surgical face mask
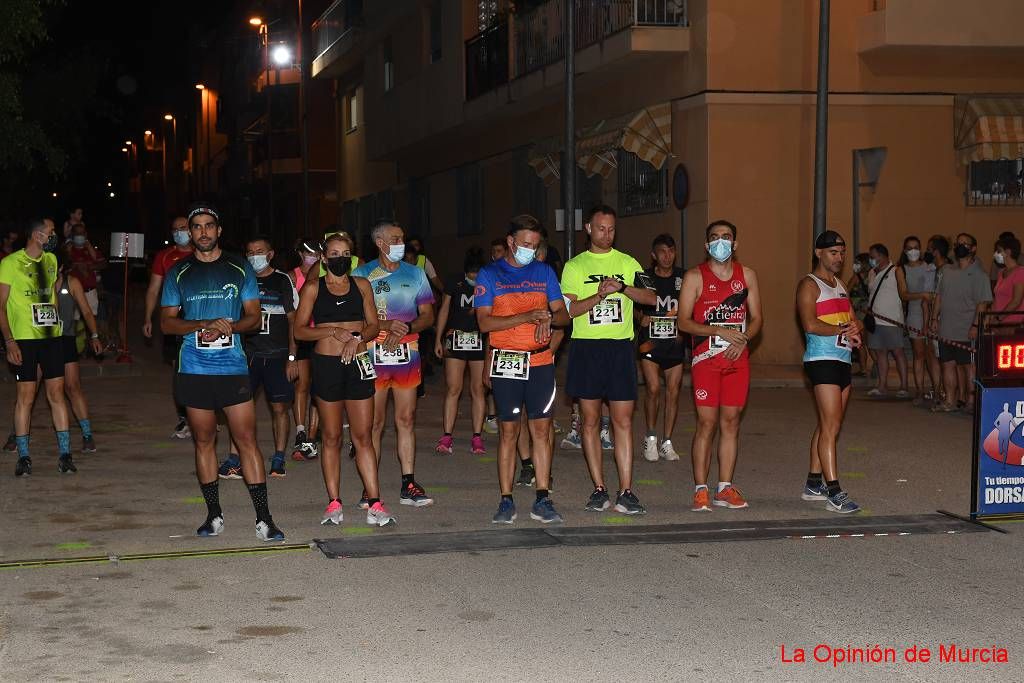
259,262
524,255
470,281
720,249
78,240
181,237
396,252
873,262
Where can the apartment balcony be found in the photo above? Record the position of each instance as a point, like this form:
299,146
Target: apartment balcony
930,27
338,30
520,59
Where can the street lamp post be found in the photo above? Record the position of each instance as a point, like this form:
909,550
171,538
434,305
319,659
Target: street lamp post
264,32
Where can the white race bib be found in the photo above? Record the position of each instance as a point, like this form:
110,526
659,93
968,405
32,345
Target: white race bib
365,365
44,315
607,312
220,342
843,342
717,342
466,341
662,328
264,322
381,356
510,364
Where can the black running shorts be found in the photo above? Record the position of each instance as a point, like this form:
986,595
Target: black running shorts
211,392
337,381
40,354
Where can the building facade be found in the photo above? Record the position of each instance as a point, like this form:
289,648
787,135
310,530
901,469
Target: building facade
448,116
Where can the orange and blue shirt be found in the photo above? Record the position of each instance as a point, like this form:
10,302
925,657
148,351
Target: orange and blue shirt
509,290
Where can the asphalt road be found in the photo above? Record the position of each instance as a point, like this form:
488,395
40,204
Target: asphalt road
646,612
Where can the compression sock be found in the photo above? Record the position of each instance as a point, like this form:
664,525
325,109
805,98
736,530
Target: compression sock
64,442
814,480
211,494
258,493
541,494
833,487
22,442
86,426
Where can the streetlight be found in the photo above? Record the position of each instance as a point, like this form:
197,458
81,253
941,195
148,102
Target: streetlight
124,149
168,117
128,143
200,86
54,195
255,21
110,184
147,132
282,55
111,195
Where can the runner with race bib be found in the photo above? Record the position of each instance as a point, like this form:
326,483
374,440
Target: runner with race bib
517,299
600,287
405,307
720,307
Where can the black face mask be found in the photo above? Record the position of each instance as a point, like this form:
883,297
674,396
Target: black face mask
962,251
339,265
928,257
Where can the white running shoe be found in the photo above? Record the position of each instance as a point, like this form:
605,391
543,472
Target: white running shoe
572,440
379,515
667,451
606,437
181,431
651,449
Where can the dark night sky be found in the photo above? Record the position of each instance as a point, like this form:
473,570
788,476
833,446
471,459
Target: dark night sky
148,55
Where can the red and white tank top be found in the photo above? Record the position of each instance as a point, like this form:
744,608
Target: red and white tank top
722,303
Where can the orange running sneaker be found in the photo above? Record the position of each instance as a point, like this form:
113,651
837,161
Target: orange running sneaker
701,501
730,497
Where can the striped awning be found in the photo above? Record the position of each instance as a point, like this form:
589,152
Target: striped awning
646,133
987,127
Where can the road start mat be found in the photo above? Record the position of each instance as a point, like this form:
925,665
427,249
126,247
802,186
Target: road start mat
715,532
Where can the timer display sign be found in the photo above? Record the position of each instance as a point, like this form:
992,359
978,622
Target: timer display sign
997,472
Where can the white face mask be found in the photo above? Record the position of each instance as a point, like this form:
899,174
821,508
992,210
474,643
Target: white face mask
999,258
258,262
856,267
396,252
181,237
913,254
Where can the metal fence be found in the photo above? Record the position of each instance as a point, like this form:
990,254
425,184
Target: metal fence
487,60
334,23
996,183
538,33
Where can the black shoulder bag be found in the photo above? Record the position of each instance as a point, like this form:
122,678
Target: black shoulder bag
869,317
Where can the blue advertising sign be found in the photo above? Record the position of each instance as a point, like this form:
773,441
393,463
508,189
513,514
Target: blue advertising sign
1000,453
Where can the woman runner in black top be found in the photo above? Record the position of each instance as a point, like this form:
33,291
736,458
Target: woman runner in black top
343,312
459,345
661,347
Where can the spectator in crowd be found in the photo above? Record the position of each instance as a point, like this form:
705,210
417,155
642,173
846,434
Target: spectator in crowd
74,218
497,249
887,290
920,279
1009,289
857,286
86,261
963,293
10,238
996,267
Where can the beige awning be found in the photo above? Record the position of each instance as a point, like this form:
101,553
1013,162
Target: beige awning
987,127
646,133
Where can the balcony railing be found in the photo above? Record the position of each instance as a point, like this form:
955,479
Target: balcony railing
487,60
339,19
538,33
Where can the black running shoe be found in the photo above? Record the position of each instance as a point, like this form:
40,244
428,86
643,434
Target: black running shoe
24,467
527,475
88,444
628,504
351,450
65,465
11,444
599,501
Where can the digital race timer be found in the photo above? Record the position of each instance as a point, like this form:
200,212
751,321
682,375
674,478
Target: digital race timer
1001,356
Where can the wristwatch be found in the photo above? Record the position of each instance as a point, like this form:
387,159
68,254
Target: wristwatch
622,287
291,357
94,335
356,335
